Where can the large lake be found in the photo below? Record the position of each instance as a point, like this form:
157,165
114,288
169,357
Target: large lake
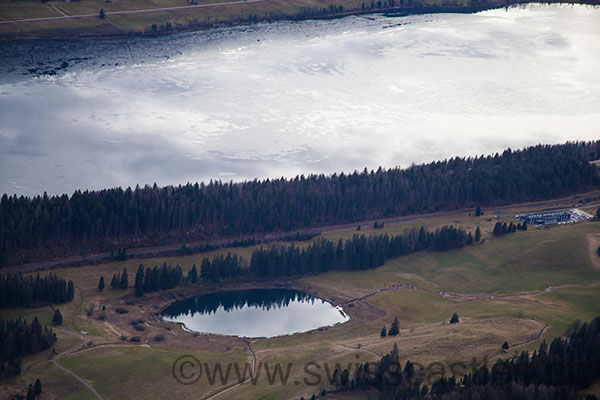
254,313
295,97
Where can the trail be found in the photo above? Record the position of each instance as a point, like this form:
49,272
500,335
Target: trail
146,10
227,389
532,339
81,346
84,383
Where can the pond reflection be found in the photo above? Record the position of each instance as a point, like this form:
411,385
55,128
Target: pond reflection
254,313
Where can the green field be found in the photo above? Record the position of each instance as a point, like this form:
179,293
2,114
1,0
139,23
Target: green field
521,288
166,21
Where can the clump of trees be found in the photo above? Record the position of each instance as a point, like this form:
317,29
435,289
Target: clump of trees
502,228
34,390
26,291
120,280
160,278
93,218
20,338
395,328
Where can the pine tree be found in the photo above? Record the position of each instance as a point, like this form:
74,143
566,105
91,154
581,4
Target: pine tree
57,318
454,319
193,275
478,211
70,290
477,234
383,332
139,281
124,281
101,14
206,270
35,326
395,328
505,346
30,393
37,387
101,284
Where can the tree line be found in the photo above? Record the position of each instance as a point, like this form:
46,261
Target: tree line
26,291
206,210
19,338
551,372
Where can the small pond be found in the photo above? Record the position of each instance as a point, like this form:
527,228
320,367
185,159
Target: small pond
254,313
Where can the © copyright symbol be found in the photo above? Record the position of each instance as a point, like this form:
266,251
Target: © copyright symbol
187,370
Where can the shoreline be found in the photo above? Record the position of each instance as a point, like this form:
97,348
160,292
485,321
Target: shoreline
394,11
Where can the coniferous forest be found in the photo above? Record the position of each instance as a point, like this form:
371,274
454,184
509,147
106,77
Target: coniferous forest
554,372
98,218
27,291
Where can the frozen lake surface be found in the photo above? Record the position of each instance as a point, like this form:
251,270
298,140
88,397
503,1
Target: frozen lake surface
291,98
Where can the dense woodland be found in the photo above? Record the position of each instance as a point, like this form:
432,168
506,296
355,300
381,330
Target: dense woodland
27,291
112,216
19,338
554,372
